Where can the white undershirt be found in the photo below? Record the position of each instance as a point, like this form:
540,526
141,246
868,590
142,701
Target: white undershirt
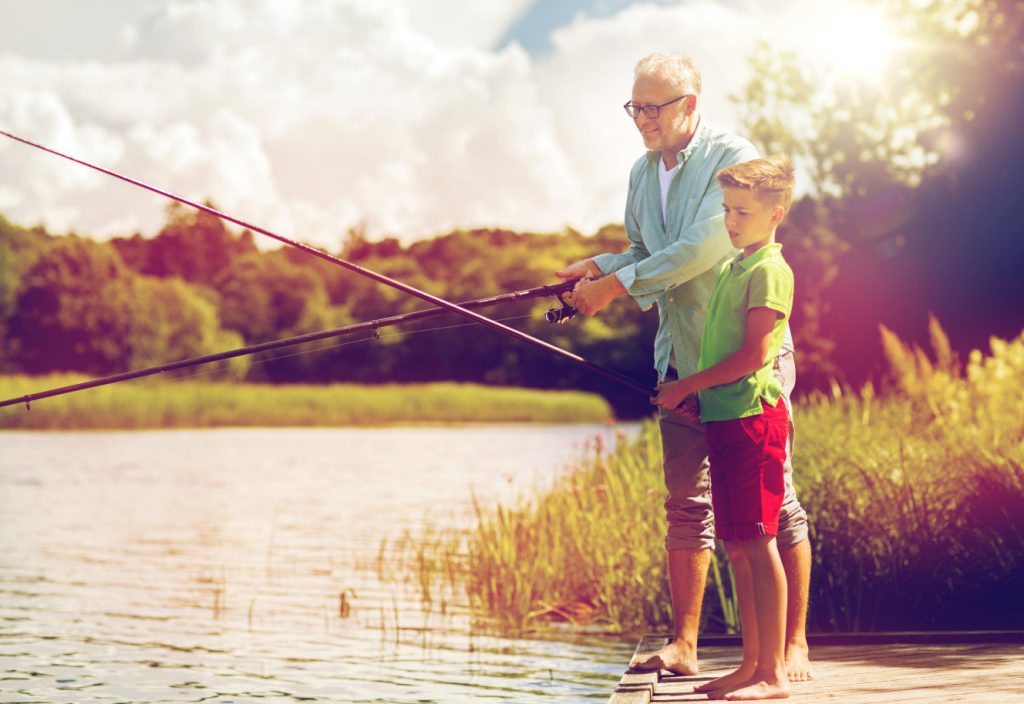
665,176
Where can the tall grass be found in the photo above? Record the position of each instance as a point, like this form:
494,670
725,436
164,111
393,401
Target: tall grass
217,404
915,498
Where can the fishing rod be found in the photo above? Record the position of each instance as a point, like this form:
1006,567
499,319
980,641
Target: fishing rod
555,315
380,278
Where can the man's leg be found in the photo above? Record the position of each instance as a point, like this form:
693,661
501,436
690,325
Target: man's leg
794,546
690,537
796,561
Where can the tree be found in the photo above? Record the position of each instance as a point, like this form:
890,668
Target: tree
193,245
911,181
79,308
19,250
265,296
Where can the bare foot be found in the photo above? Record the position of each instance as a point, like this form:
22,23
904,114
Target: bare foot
756,688
742,674
798,662
674,657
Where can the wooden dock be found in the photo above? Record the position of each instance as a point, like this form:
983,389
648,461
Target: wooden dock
861,669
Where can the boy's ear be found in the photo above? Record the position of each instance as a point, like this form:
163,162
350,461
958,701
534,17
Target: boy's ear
778,212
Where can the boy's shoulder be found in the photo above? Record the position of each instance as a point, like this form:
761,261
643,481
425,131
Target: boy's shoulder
773,265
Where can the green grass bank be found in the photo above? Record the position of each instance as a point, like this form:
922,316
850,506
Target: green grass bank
915,498
207,404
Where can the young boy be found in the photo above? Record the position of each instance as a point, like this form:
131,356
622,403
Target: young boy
746,422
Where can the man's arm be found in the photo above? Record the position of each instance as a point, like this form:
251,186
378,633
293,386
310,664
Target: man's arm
602,264
747,359
700,247
697,250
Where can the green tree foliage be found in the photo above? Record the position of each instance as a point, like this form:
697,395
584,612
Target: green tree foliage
263,296
909,180
19,250
193,246
79,308
85,308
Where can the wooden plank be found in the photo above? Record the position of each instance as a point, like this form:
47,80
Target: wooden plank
868,674
637,686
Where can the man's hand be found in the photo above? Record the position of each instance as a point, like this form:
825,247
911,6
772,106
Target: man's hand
678,396
593,295
580,270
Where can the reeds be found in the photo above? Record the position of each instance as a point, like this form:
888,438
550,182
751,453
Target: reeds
915,499
206,404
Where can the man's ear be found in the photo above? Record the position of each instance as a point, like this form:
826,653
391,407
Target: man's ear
778,212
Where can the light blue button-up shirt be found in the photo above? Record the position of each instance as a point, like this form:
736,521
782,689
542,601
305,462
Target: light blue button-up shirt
673,260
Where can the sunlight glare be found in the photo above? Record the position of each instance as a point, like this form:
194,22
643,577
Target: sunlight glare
855,42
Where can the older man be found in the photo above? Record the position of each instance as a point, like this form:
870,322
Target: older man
677,238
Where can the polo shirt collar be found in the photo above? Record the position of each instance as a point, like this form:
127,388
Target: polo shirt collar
771,250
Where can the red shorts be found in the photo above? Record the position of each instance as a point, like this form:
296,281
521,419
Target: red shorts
747,474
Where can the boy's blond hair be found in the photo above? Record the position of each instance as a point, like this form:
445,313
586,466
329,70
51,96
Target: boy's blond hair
771,178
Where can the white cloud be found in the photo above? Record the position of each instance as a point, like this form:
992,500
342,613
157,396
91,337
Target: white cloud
310,118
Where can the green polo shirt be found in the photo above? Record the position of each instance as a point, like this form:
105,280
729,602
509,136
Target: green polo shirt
762,280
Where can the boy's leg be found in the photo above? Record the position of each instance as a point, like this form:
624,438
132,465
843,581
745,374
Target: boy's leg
748,623
769,680
690,538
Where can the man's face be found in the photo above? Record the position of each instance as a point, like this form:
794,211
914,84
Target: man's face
669,131
749,220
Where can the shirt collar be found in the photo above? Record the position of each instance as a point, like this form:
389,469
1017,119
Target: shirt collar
771,250
699,137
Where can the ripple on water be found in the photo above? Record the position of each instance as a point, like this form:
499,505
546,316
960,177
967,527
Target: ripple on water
207,566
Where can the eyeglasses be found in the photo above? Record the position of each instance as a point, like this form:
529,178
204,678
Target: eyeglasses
650,111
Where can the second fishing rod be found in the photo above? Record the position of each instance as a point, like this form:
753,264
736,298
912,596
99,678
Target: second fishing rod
380,278
555,315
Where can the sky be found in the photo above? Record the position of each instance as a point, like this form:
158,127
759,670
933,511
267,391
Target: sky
404,118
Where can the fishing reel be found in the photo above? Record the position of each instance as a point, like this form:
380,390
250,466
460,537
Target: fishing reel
560,315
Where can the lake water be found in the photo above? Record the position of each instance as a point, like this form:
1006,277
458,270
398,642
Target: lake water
243,565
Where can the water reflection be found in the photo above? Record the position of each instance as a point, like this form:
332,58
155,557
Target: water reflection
235,565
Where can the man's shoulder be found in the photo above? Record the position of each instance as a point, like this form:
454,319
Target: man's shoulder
640,165
729,146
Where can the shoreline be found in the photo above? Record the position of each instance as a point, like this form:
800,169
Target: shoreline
190,404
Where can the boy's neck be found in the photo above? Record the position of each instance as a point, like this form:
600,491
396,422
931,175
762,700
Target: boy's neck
752,249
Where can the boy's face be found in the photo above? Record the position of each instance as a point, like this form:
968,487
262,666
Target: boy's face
751,222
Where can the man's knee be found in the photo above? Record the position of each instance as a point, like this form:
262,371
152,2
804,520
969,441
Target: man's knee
691,532
688,506
793,527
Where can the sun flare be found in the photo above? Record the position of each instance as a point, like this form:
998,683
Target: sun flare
853,42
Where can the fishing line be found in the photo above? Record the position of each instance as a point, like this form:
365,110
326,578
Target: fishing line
259,360
380,278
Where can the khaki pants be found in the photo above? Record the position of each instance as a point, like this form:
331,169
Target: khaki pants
691,523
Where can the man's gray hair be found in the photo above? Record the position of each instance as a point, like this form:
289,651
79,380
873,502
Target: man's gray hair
681,71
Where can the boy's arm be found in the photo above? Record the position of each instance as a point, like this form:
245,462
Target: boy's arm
746,360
